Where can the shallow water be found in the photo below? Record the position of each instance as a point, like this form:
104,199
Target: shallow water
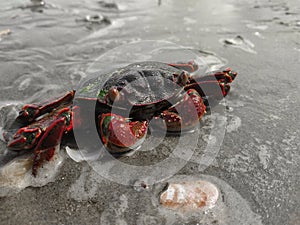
49,49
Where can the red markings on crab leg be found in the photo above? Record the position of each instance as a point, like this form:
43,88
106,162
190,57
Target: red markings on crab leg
225,76
30,112
211,88
27,137
116,131
46,146
24,138
190,67
186,114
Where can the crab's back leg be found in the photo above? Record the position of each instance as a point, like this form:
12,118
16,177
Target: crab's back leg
190,66
49,141
183,116
212,87
224,77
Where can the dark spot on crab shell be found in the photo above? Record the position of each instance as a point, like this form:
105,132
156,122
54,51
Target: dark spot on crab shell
145,83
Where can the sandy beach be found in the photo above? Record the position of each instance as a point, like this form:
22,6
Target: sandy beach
49,48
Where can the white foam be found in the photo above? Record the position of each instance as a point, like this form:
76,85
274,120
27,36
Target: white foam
17,174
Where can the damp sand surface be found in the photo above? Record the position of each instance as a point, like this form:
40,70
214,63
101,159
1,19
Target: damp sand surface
45,49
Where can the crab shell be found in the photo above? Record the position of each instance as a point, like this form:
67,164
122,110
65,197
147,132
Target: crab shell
144,89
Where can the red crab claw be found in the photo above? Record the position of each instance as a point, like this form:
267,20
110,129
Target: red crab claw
30,112
49,141
121,135
181,117
28,137
25,138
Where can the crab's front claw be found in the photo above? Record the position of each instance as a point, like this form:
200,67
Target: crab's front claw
120,135
184,116
24,138
30,112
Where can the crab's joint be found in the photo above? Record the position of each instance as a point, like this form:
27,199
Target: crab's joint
183,78
29,112
190,67
226,76
25,138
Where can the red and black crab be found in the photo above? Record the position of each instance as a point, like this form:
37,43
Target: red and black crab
122,107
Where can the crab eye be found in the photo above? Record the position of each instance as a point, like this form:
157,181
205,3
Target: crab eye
183,78
113,94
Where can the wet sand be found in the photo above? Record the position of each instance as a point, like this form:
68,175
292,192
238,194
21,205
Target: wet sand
257,166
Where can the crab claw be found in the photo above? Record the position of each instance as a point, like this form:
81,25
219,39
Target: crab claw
184,116
121,135
30,112
25,138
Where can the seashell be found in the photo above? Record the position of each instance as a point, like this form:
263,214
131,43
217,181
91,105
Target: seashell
190,195
5,32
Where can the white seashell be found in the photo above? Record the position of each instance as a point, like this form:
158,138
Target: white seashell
190,195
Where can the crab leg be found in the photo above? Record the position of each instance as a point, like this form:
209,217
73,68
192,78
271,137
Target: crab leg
226,76
212,87
30,112
46,146
190,66
183,116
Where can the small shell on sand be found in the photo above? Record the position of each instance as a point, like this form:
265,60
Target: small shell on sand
5,32
190,195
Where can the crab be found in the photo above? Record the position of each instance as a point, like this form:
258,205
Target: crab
121,108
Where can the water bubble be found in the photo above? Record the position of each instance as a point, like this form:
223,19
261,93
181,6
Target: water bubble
140,186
